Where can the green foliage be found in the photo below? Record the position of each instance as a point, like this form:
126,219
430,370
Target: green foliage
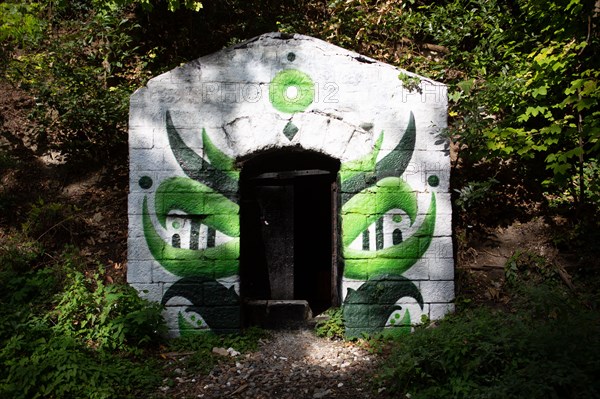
59,367
64,334
19,23
526,266
105,316
332,326
549,348
81,74
474,192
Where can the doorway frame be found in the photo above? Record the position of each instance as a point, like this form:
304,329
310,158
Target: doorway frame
264,165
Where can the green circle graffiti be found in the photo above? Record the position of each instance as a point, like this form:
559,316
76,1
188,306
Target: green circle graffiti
291,91
145,182
433,181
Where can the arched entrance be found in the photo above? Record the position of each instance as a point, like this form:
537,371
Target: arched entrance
289,228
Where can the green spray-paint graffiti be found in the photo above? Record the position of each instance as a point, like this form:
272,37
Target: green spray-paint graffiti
212,305
379,296
370,190
208,197
291,91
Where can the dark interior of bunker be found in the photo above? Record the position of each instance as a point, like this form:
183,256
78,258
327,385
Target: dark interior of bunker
289,230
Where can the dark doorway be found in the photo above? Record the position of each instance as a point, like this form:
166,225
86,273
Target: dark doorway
289,231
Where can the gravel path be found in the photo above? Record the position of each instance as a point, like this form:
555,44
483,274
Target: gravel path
288,365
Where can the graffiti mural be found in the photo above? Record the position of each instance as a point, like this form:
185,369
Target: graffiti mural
188,131
368,308
206,201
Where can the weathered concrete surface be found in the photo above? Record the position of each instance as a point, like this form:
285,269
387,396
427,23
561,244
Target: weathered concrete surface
189,128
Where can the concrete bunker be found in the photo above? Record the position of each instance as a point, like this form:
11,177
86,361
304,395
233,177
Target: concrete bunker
289,267
347,165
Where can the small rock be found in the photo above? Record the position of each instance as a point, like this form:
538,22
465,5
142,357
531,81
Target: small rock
321,394
220,351
341,384
232,352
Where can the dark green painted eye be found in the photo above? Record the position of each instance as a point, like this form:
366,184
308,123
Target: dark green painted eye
145,182
433,180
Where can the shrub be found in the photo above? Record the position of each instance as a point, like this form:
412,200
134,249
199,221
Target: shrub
549,348
64,334
332,326
106,316
60,367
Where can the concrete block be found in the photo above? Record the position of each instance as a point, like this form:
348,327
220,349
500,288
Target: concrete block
440,248
441,268
137,249
139,272
437,291
151,292
437,311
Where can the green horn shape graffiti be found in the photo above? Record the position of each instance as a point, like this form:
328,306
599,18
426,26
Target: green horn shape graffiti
392,165
215,262
197,168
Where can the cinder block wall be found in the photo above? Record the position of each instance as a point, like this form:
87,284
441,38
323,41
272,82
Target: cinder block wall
189,126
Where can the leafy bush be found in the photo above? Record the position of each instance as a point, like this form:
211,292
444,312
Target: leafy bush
549,348
64,334
106,316
60,367
332,326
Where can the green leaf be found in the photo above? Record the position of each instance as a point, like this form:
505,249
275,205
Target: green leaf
466,85
540,91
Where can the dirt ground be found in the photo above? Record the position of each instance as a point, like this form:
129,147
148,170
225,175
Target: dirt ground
288,365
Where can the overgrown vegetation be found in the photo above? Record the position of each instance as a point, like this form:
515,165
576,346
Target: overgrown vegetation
65,333
548,345
332,326
524,127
